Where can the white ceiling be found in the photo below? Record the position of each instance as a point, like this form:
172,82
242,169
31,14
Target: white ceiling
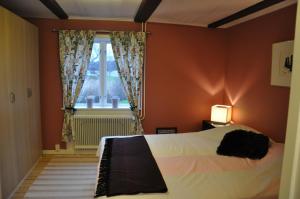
187,12
201,13
123,10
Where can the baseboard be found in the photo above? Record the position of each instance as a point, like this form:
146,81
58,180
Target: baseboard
61,151
24,178
68,152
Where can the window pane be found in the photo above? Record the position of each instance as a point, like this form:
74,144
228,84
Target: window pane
91,86
114,86
102,82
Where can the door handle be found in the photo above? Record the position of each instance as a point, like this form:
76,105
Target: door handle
29,92
12,97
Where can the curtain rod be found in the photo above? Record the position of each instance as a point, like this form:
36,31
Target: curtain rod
97,31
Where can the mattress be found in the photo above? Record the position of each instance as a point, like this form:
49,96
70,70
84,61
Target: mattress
192,169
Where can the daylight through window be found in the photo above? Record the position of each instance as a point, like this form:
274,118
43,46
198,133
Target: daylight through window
102,87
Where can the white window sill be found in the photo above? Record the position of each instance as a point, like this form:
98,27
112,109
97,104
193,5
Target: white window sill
97,106
103,111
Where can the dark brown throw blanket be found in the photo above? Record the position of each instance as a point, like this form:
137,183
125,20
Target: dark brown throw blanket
128,167
244,144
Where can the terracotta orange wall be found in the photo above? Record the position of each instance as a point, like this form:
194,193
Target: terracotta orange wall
188,69
184,75
248,72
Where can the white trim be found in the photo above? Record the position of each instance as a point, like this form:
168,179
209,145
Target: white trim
103,36
88,116
87,147
103,73
56,152
24,178
98,108
103,42
69,152
290,178
104,112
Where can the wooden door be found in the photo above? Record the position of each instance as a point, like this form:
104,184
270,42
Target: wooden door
2,94
17,85
9,176
3,97
0,184
33,92
20,135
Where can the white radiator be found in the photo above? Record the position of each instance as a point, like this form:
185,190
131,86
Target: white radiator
89,129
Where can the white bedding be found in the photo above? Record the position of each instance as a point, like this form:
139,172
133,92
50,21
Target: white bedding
192,169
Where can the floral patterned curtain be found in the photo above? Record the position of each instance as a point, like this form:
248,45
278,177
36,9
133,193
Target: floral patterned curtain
75,48
128,49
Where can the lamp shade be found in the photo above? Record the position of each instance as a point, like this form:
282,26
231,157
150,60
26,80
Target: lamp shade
221,113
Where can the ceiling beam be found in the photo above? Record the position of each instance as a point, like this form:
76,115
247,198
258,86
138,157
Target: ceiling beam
247,11
145,10
55,8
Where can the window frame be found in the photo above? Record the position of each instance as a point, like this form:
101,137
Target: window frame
104,107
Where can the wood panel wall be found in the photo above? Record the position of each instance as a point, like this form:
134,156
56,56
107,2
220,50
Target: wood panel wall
20,134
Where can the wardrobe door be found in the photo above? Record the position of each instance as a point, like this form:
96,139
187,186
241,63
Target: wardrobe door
20,135
9,173
32,89
3,98
2,95
0,176
18,85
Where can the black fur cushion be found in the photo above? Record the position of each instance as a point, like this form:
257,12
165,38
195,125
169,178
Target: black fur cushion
245,144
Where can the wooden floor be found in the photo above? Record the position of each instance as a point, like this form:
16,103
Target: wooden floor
61,176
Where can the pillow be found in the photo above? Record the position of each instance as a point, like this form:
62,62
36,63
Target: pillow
244,144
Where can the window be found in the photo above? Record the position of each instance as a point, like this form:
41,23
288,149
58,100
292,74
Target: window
102,83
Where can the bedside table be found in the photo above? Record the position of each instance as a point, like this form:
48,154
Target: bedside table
207,124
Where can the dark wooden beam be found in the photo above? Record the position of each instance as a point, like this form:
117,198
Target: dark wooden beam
145,10
55,8
247,11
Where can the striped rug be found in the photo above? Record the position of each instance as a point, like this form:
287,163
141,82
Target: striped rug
65,177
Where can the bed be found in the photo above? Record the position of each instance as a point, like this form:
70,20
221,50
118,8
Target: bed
191,168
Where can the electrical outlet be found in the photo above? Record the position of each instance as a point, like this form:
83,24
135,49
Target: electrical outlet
57,147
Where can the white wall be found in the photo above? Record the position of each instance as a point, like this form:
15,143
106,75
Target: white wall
290,177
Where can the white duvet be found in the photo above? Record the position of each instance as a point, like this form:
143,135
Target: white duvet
192,169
